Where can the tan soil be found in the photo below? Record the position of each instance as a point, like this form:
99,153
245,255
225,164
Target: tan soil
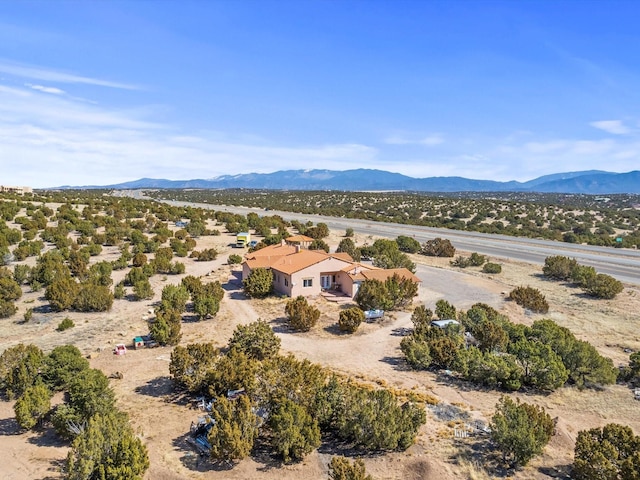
162,418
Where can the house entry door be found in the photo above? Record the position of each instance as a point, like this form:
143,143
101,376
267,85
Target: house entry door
325,281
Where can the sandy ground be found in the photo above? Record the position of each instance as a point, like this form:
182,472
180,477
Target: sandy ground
372,354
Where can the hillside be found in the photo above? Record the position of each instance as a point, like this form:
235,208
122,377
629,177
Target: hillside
586,182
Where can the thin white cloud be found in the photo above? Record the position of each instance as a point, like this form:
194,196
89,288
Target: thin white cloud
615,127
42,88
50,75
593,147
57,111
545,147
432,140
14,91
429,140
52,140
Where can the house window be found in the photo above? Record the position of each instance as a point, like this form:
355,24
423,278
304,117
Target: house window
286,282
307,282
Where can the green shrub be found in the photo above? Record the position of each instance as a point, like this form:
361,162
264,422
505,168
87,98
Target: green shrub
438,247
7,309
559,267
520,430
350,319
491,268
234,259
206,255
583,275
341,468
530,298
302,316
603,286
177,268
119,290
477,260
65,324
142,290
460,262
445,311
416,352
259,283
607,452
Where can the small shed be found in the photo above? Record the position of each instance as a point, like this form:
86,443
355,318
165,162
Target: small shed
138,342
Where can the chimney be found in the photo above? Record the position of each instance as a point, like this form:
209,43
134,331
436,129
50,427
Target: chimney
297,248
282,242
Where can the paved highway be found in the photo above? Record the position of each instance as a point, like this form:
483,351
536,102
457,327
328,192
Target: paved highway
623,264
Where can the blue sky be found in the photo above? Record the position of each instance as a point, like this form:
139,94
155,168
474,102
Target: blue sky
100,92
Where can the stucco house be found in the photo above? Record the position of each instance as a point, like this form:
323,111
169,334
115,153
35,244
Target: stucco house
298,271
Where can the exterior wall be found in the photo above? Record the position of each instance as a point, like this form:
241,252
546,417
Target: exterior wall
246,271
330,266
282,283
298,280
345,282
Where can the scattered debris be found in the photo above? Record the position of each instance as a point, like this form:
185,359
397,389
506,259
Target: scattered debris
234,394
120,349
477,427
199,434
204,404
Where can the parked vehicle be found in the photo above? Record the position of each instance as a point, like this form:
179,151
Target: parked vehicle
373,314
243,239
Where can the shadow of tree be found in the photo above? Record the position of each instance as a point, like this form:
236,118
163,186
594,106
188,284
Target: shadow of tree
333,445
9,426
191,318
334,329
48,438
57,466
445,377
157,387
281,325
480,452
46,308
557,471
398,363
401,332
263,453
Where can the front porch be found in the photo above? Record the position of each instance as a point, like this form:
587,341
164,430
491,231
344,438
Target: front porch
335,296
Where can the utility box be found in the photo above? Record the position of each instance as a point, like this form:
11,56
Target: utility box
243,239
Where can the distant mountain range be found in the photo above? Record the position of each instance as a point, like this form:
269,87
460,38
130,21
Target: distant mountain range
590,182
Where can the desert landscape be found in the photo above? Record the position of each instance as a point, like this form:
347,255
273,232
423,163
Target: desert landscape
161,417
